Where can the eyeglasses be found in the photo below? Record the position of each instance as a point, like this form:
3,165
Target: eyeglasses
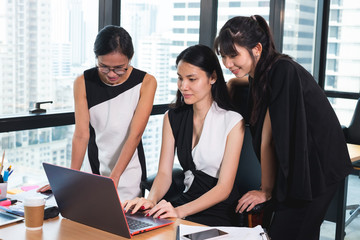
116,70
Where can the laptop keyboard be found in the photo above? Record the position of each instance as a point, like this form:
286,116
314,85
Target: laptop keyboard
136,224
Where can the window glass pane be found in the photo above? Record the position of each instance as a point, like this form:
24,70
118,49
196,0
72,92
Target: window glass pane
26,150
152,144
299,31
343,61
344,109
44,45
160,30
230,8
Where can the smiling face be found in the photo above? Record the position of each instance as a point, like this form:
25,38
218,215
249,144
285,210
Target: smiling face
194,83
114,61
242,63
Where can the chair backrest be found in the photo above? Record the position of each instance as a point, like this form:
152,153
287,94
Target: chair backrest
353,130
248,176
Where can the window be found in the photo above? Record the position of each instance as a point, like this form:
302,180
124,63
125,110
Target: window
333,32
299,31
178,30
44,45
342,66
194,4
179,18
44,53
234,4
179,5
26,150
194,18
162,26
193,30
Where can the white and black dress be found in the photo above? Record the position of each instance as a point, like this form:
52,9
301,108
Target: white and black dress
201,165
111,109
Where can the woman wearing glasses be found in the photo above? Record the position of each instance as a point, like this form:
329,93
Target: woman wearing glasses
113,102
116,99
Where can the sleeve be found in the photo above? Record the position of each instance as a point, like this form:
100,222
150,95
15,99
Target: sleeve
232,118
289,131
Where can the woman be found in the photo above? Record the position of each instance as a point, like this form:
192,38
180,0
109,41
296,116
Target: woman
115,100
207,136
296,134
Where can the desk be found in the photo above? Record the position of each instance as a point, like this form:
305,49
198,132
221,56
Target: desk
63,229
337,208
354,152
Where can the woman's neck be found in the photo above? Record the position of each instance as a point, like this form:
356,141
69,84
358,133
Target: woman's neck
201,108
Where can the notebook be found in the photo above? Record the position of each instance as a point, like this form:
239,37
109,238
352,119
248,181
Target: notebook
93,200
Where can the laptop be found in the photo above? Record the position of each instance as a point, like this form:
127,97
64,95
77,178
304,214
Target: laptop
93,200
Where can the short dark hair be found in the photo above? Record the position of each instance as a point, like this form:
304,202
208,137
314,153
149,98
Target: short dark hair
113,39
203,57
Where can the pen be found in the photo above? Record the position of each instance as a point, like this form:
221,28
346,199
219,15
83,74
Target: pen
3,199
2,162
7,202
10,172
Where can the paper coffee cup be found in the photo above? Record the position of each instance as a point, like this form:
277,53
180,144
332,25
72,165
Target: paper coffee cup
34,212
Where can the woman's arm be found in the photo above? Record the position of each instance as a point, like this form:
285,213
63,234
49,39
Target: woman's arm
268,171
81,133
223,187
163,177
137,126
268,162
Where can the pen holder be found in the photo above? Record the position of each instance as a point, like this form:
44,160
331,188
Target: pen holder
3,190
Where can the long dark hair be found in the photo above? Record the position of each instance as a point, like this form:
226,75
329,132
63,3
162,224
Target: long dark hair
205,58
113,39
247,32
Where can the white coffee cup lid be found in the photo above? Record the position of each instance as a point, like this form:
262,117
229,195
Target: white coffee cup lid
34,201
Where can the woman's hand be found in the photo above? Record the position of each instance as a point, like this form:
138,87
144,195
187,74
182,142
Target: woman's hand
44,188
163,209
251,199
138,203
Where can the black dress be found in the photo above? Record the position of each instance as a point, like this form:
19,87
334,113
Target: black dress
221,214
310,148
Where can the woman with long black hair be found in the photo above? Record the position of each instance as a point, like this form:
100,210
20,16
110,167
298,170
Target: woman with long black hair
296,134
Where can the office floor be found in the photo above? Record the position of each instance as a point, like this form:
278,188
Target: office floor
353,229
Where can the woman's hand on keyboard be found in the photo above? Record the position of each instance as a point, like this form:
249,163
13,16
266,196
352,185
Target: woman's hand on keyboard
137,204
163,209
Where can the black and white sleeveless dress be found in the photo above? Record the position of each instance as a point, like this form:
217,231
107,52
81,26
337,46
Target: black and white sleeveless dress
111,109
201,165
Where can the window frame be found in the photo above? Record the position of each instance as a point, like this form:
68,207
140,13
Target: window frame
110,13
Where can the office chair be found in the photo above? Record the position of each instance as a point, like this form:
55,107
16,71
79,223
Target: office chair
352,132
352,135
248,178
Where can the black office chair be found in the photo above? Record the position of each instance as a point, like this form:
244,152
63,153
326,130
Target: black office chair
352,132
248,178
352,135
